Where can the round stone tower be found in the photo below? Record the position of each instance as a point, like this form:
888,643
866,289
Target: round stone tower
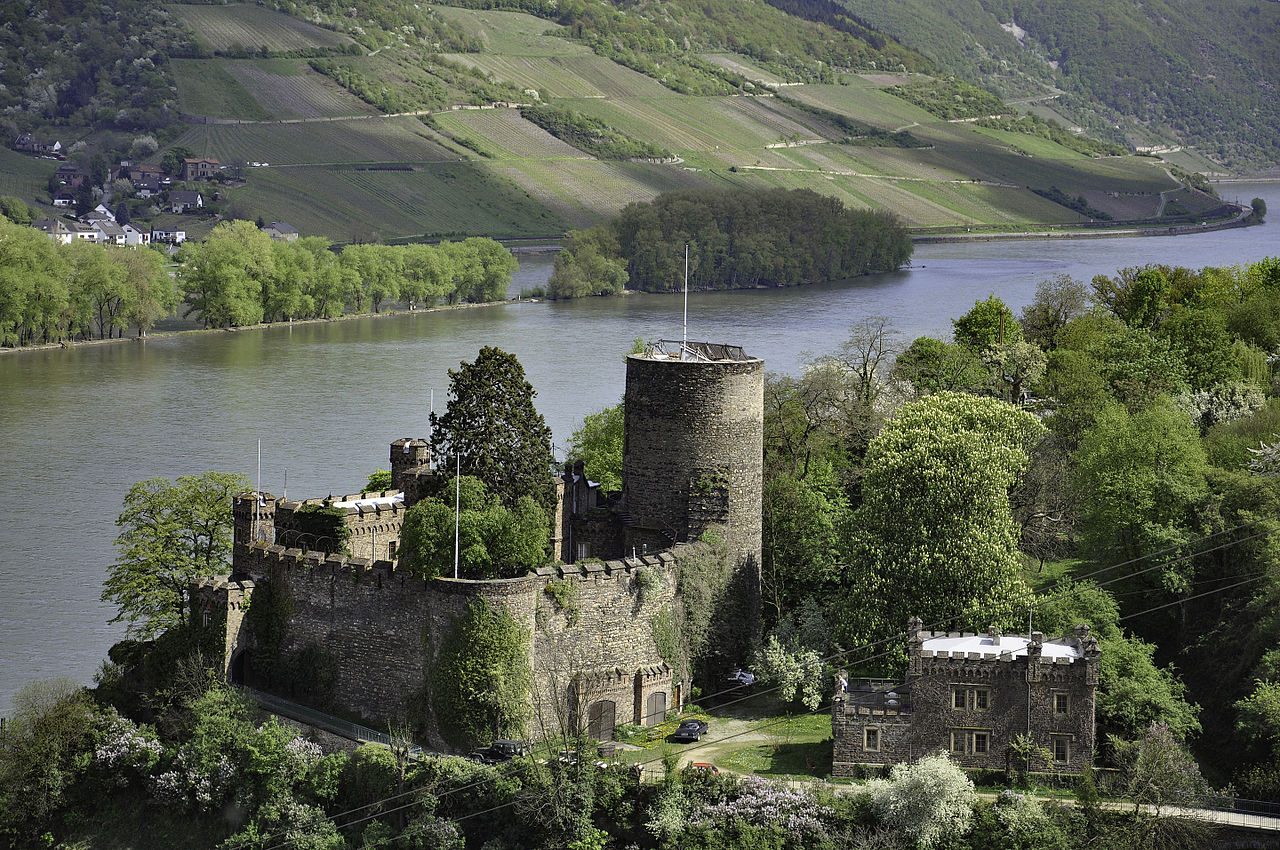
694,447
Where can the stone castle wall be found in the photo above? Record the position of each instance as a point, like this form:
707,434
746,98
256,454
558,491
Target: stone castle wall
382,629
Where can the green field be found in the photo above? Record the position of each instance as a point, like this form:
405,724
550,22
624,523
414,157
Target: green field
289,88
512,33
743,66
505,134
205,87
367,140
346,203
586,191
572,76
25,176
241,26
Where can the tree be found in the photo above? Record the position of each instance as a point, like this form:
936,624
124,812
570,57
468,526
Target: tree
492,425
799,551
227,278
1160,774
931,366
152,292
1259,207
589,265
1139,480
173,532
598,444
988,324
1057,301
493,540
935,536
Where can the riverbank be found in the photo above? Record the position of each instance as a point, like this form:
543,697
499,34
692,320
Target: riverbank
1095,231
89,343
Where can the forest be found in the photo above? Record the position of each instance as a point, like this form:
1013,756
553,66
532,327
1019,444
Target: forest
736,240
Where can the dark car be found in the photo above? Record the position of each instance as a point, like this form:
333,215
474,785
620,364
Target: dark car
499,752
690,730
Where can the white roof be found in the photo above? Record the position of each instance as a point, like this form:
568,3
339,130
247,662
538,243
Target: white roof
370,502
1011,646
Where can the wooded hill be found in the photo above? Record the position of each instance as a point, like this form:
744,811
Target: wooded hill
1147,73
394,113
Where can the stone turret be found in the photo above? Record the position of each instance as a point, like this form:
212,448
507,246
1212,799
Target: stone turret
253,518
410,461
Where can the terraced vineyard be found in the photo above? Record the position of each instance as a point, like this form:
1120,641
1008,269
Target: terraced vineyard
584,191
243,27
744,67
573,76
369,140
508,135
206,88
289,88
512,33
25,177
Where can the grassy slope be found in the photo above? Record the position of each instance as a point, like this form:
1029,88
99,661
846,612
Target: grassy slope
1159,70
224,28
329,176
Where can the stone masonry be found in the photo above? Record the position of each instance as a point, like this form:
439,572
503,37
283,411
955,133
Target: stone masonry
971,695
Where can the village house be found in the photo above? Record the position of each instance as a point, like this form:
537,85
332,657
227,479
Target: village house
172,235
200,169
109,233
185,200
71,176
281,231
64,199
55,228
27,143
973,696
135,235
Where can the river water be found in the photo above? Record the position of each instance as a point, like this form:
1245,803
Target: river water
78,427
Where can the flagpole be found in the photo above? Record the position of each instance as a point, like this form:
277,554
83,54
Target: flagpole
684,342
457,508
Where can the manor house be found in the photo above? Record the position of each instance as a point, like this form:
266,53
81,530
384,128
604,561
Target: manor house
972,695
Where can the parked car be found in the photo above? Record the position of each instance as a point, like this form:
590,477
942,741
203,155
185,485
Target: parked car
740,678
498,752
690,730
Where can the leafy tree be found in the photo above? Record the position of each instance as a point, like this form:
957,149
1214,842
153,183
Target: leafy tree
173,532
378,480
1140,479
588,265
799,544
1200,337
990,323
935,535
227,278
598,444
152,292
493,540
1057,301
492,425
1160,774
1259,207
1015,367
791,657
41,749
931,366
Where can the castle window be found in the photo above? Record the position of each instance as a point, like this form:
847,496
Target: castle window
973,699
871,739
981,743
958,741
391,550
1061,703
1062,749
973,742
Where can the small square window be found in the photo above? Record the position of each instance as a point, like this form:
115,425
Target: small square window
1061,749
981,699
981,743
1061,703
958,698
957,742
871,740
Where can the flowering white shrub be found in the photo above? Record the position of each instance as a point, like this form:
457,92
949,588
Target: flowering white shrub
189,783
1021,814
126,750
303,754
760,802
926,801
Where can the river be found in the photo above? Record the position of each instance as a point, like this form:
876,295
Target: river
78,427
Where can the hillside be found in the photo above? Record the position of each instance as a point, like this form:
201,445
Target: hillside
1155,73
374,126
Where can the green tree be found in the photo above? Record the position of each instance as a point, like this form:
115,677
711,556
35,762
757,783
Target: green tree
589,265
1057,301
493,427
988,324
493,540
1140,479
227,279
931,366
598,444
927,801
799,545
1259,207
173,532
935,535
152,292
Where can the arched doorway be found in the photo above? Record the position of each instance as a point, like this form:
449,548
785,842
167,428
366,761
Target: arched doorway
236,672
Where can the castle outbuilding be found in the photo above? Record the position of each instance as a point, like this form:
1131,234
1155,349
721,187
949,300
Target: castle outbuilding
366,634
972,695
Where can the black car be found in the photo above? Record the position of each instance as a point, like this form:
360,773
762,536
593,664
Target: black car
690,730
498,752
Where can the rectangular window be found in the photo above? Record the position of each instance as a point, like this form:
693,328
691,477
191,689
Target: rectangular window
871,739
391,550
1062,749
1061,703
981,742
981,697
974,699
957,742
958,698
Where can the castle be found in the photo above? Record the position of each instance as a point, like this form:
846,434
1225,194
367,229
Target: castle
370,633
972,695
